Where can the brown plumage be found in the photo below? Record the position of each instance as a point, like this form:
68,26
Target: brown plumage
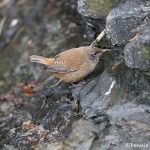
71,65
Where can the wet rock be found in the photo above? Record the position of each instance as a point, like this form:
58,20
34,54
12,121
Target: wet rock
116,100
137,52
97,96
9,147
97,9
123,19
82,137
50,146
132,81
126,134
129,122
129,110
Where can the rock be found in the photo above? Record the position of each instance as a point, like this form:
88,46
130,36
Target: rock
97,96
123,19
9,147
82,137
129,122
92,28
51,146
125,133
128,110
137,52
97,9
94,13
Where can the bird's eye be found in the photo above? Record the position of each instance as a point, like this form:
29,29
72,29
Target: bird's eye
93,54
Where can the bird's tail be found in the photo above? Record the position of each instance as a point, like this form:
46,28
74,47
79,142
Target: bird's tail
41,60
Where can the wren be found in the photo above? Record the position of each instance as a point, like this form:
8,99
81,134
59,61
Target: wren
71,65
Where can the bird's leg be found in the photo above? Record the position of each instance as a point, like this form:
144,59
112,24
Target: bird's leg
49,79
77,84
2,23
54,85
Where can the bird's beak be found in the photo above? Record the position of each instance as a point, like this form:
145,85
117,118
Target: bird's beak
98,55
106,50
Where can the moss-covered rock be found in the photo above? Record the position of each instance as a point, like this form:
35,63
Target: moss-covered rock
123,19
98,9
137,53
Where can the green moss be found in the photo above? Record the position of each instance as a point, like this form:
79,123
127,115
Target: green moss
145,54
132,22
117,93
101,7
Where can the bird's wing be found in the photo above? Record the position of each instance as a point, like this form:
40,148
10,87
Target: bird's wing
68,61
60,67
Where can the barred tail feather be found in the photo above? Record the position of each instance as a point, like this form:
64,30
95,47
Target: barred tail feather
41,60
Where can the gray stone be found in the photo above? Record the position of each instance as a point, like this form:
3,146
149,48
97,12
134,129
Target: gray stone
97,9
9,147
137,52
128,110
97,96
129,122
123,19
82,137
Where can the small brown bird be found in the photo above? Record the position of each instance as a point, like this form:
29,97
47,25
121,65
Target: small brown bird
71,65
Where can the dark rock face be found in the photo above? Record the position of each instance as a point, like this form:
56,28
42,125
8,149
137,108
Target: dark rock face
94,96
123,19
115,107
137,52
